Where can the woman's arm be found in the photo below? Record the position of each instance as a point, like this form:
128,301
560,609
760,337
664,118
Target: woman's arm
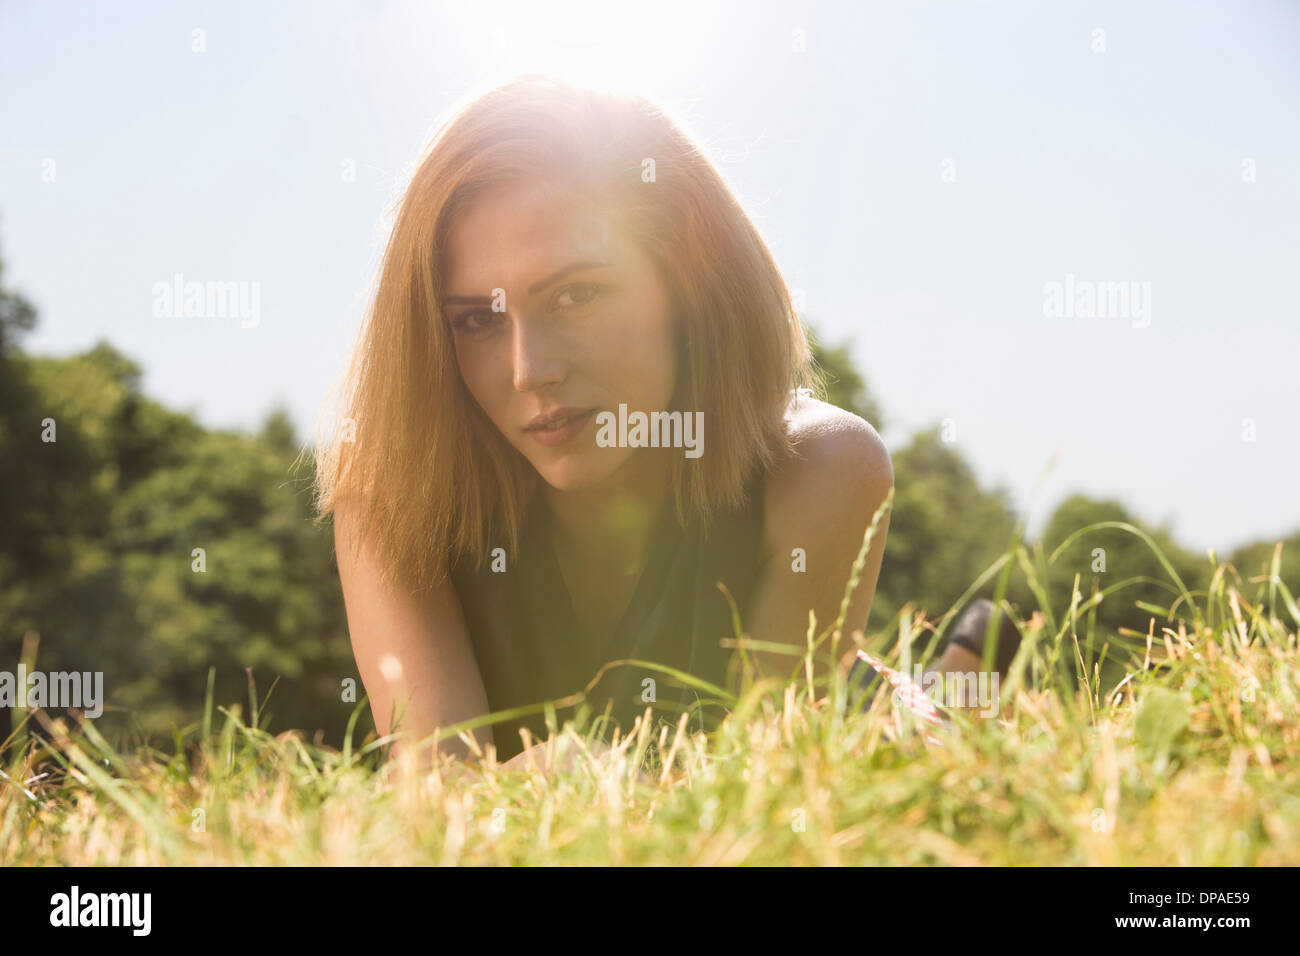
821,502
413,651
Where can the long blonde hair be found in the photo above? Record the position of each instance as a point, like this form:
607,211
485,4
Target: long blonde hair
432,477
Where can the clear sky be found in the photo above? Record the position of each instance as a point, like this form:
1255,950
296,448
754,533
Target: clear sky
922,171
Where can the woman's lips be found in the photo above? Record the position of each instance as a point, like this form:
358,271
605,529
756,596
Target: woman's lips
551,436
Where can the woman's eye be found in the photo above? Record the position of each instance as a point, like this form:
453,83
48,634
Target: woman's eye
469,321
483,320
588,292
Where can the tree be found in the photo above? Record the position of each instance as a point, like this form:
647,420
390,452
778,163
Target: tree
1117,562
105,495
17,316
944,532
1254,559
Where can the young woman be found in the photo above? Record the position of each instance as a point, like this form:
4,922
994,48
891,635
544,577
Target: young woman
582,398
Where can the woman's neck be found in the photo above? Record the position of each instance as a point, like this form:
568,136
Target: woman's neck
614,521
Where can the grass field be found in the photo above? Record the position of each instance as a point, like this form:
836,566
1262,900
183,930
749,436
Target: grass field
1190,760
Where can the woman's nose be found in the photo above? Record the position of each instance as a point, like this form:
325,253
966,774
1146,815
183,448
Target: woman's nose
537,353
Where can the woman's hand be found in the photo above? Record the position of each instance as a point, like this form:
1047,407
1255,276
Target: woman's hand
537,756
567,753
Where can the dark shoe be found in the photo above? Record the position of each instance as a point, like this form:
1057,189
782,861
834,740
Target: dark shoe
970,630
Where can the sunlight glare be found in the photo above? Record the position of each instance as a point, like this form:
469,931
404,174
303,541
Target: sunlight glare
606,45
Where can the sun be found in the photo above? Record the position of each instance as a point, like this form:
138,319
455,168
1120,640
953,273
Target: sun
609,46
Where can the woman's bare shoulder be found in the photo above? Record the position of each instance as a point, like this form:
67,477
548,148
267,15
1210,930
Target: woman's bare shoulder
839,469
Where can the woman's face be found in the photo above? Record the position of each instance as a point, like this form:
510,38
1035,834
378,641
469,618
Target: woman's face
582,324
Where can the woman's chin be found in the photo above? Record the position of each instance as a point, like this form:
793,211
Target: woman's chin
576,473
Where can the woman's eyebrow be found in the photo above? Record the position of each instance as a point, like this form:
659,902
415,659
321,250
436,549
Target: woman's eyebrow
536,287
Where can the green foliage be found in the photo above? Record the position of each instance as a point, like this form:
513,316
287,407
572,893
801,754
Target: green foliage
1254,559
1162,716
101,530
17,316
944,532
1137,594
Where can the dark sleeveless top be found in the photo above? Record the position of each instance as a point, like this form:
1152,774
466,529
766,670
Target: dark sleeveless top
527,644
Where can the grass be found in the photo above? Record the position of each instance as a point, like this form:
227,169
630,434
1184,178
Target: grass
1189,759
